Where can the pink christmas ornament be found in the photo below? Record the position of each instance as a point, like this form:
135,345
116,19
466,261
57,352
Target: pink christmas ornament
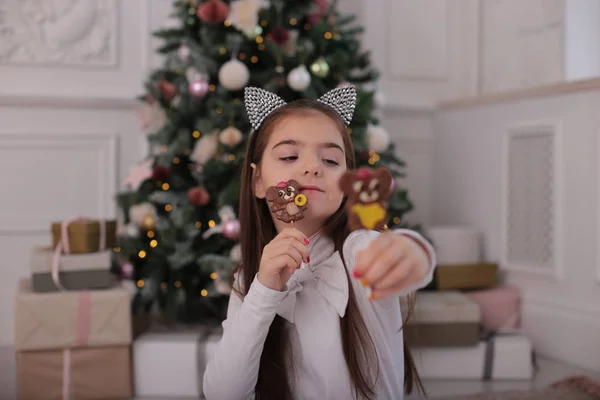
127,270
198,88
231,229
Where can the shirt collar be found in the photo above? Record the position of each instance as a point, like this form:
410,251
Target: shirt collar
326,269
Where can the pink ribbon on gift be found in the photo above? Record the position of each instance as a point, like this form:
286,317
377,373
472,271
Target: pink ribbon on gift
63,245
83,330
84,302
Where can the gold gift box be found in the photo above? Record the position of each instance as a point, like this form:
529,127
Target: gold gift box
84,236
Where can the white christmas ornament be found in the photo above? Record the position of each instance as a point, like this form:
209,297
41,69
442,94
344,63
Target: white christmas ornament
379,138
299,78
230,136
222,287
236,253
379,99
138,212
234,75
243,14
205,148
183,52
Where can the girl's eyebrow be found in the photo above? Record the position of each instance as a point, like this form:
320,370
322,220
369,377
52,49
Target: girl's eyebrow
327,145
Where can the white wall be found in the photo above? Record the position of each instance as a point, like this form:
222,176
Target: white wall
535,198
582,27
69,74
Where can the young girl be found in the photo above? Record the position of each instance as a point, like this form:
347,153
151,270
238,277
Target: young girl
315,312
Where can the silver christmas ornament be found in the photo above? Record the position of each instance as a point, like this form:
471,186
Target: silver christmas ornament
260,103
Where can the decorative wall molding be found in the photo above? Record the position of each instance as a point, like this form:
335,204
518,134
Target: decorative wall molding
64,102
106,147
65,33
532,211
547,322
598,204
581,309
422,58
521,51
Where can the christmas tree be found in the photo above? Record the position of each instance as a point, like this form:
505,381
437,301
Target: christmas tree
178,239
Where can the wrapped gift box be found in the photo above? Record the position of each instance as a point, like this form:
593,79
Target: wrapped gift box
76,271
456,244
464,276
84,235
67,319
83,373
500,307
442,319
503,357
172,364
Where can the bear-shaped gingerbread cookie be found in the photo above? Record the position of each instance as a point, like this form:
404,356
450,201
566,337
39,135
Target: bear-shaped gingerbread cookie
286,201
367,193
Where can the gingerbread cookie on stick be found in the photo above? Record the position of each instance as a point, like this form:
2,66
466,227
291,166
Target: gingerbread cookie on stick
367,191
286,201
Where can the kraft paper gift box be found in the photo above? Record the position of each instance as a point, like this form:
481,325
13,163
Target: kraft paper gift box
442,319
172,364
502,357
464,276
85,235
58,320
73,271
83,373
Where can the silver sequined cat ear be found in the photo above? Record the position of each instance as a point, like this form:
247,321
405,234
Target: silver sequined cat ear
343,100
259,104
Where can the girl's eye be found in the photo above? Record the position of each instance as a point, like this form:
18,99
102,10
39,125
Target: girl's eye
332,162
290,158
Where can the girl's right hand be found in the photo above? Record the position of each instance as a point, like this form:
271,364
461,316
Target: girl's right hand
281,257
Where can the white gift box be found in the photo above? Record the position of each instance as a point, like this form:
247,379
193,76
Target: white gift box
456,244
503,357
172,364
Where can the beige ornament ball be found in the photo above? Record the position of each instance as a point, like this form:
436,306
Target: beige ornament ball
139,214
378,138
230,136
236,253
299,78
234,75
205,148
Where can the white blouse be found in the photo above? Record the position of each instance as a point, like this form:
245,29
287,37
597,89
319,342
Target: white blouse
315,297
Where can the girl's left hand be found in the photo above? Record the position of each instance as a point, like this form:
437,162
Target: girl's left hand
391,263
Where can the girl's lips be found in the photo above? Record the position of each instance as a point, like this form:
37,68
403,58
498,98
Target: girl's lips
311,188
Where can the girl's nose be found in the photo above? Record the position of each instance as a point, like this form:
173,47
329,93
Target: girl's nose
313,170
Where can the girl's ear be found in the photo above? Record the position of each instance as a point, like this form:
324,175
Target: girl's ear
257,184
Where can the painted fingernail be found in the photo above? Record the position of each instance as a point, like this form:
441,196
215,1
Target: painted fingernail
364,282
306,241
308,259
356,274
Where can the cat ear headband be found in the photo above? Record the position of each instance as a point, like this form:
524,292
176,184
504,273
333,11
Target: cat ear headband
260,103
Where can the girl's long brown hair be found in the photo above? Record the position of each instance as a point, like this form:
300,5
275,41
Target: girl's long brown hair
257,230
